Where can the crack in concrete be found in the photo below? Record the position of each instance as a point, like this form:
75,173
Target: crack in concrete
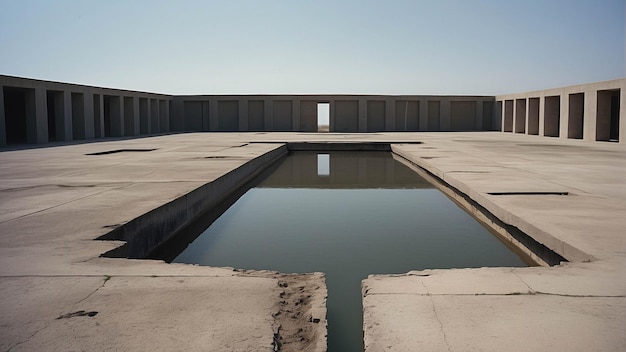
432,301
106,278
28,338
62,204
522,280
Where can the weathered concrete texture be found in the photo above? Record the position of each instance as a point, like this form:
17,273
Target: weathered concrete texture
576,306
54,203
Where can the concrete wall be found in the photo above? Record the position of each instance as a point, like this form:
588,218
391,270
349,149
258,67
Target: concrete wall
34,111
37,112
592,112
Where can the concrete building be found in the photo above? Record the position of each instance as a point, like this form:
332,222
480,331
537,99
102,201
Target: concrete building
592,112
35,111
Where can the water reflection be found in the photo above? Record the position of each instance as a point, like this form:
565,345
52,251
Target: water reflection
364,214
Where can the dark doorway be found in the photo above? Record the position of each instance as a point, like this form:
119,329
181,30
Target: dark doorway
15,112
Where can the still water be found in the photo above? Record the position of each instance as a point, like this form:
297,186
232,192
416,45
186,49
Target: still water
347,214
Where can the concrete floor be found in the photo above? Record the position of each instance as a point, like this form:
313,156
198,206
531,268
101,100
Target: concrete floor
55,201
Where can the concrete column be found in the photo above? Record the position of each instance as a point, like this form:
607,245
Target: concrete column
213,115
564,116
519,116
423,126
590,110
243,115
164,116
331,115
99,109
89,115
136,123
622,116
41,115
148,112
362,115
154,117
390,114
177,120
3,126
478,124
66,118
206,114
295,114
445,115
542,115
269,114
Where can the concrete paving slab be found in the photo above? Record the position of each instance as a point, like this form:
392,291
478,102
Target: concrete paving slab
56,201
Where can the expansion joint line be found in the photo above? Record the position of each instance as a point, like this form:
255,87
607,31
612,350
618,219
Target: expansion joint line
443,332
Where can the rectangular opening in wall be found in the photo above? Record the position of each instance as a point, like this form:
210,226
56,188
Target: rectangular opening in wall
323,117
520,116
533,116
97,116
508,116
576,115
376,115
144,116
607,115
552,116
16,112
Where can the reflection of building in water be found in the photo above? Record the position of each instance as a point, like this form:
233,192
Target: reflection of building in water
344,170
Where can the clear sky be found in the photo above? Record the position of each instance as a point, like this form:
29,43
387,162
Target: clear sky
297,46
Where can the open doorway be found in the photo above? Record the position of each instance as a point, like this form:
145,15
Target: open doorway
323,117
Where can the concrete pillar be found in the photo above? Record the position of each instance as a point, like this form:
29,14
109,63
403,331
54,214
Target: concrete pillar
423,115
213,115
78,116
622,115
136,123
519,116
89,115
98,100
363,115
145,115
177,120
507,119
3,126
164,116
564,116
478,124
243,115
590,110
295,114
390,114
41,116
154,116
445,115
269,114
67,119
331,115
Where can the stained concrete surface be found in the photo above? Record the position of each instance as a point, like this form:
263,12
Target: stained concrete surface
55,201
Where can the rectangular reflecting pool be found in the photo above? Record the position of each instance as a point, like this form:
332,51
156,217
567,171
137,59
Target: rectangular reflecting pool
347,214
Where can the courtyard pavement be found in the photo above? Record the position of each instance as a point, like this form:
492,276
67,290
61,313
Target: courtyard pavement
58,294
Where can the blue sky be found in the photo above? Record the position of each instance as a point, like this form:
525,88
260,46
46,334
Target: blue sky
297,47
